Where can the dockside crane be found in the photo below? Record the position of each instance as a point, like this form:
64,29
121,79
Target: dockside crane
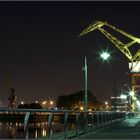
12,97
134,64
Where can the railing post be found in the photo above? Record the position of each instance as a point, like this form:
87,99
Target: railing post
114,119
77,124
86,121
66,122
98,121
105,118
115,116
50,118
102,119
26,125
92,121
110,117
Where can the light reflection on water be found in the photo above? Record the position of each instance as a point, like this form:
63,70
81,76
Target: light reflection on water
16,130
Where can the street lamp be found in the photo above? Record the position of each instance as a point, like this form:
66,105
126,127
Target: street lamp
104,56
85,96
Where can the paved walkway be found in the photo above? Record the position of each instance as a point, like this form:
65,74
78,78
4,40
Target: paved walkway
127,129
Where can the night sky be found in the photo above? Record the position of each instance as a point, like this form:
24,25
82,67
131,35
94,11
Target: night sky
41,52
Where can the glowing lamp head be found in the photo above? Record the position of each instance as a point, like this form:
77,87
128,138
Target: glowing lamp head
105,55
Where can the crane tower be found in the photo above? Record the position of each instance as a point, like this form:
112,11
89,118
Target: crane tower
134,60
12,97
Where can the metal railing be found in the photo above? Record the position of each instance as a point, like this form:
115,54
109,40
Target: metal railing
84,121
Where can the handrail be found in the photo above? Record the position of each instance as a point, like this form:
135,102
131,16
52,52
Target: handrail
97,119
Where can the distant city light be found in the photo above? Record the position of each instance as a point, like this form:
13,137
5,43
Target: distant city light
56,108
81,108
138,103
106,103
51,102
22,102
134,98
44,102
123,96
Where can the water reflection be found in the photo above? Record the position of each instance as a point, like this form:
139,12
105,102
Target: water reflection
36,130
44,132
36,134
12,133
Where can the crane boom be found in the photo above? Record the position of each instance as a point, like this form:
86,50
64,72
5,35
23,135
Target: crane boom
124,48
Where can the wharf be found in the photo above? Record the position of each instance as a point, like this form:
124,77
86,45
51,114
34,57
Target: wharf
127,129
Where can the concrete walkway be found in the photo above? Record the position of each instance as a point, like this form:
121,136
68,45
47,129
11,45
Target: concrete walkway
127,129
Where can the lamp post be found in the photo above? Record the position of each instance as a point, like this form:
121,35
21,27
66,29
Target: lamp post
104,56
85,96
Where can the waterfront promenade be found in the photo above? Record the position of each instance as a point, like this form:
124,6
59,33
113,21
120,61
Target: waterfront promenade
79,125
127,129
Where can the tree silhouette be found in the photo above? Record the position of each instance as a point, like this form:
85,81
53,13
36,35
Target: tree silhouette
75,100
30,106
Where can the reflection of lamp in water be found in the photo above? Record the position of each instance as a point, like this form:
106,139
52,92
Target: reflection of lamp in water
36,134
12,133
44,132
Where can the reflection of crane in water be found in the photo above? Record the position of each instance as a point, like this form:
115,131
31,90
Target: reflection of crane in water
12,97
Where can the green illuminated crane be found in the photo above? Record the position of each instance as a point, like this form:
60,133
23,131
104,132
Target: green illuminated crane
123,47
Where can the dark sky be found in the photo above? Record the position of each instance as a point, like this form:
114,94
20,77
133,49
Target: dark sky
41,50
